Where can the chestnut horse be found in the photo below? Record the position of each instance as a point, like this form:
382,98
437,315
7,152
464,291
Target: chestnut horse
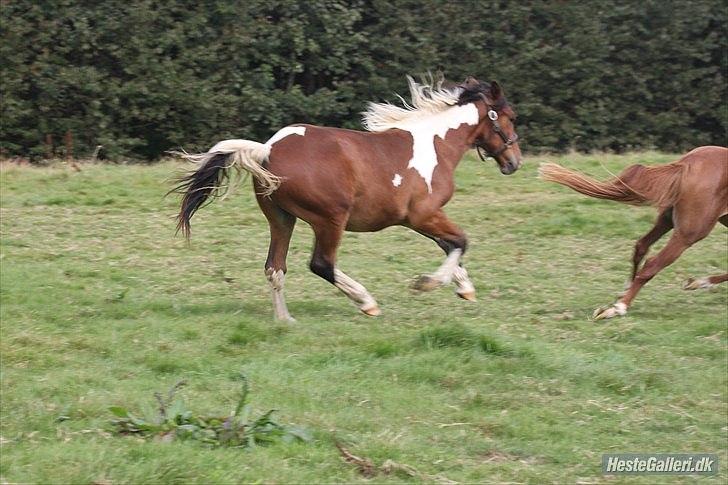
691,196
398,172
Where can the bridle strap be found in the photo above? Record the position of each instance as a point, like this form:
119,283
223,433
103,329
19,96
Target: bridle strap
507,142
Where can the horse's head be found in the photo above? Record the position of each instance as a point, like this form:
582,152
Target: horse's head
496,133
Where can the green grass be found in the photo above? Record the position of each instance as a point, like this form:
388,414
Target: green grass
102,305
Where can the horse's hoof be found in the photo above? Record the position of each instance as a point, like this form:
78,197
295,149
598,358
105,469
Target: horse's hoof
470,296
618,309
425,283
696,284
372,311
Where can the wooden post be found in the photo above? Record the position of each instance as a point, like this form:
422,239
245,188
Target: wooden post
68,141
49,146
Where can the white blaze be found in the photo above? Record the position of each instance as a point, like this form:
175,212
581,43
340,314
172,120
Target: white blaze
284,132
397,180
424,130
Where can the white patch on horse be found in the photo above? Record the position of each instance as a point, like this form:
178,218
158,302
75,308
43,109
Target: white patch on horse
276,279
424,130
284,132
462,281
356,292
444,273
397,180
432,112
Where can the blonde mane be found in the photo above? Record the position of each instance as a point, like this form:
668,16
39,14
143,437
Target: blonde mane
426,99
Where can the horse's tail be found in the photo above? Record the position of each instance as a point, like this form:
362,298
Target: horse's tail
636,185
213,177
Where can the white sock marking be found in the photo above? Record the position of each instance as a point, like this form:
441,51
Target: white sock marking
354,290
277,280
620,308
462,281
444,273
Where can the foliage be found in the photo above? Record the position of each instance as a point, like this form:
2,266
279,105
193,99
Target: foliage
141,77
175,421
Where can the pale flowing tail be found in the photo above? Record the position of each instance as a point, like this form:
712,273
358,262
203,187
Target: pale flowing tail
637,184
213,176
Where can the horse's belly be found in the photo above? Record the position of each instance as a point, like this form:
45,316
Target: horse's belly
371,216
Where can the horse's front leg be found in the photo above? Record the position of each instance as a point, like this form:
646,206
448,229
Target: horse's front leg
323,263
453,241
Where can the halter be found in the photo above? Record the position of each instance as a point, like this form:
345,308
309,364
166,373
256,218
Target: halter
507,142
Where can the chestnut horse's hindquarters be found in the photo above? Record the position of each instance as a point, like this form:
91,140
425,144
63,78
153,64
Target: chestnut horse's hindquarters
212,178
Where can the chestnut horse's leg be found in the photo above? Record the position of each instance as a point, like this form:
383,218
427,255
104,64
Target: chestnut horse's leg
708,281
663,225
453,241
323,264
281,228
689,230
705,282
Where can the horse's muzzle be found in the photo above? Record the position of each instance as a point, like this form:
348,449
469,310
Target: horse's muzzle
510,166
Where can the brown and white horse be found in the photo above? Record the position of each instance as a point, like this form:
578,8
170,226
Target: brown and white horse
691,196
398,172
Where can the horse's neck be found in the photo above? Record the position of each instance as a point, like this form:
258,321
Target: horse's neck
457,143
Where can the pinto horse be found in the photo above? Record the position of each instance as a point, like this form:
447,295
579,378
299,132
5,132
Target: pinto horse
691,196
398,172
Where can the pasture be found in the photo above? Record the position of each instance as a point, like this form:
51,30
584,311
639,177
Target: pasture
102,305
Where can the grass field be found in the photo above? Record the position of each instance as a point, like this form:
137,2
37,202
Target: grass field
102,305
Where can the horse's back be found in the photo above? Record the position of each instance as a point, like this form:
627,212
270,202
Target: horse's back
709,155
342,169
705,177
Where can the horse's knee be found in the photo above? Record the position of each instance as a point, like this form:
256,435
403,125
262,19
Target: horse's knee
460,242
319,266
450,244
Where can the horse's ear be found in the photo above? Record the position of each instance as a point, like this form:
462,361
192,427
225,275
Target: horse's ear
470,83
496,92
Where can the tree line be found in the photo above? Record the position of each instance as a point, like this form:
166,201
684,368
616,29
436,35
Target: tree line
130,80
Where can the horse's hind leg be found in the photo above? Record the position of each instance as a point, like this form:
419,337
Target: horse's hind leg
662,226
452,240
672,250
688,231
705,282
281,228
323,264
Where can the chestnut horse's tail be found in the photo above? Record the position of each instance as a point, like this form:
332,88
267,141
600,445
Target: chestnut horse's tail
636,185
213,177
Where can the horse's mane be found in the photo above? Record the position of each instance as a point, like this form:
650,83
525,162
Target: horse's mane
427,98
